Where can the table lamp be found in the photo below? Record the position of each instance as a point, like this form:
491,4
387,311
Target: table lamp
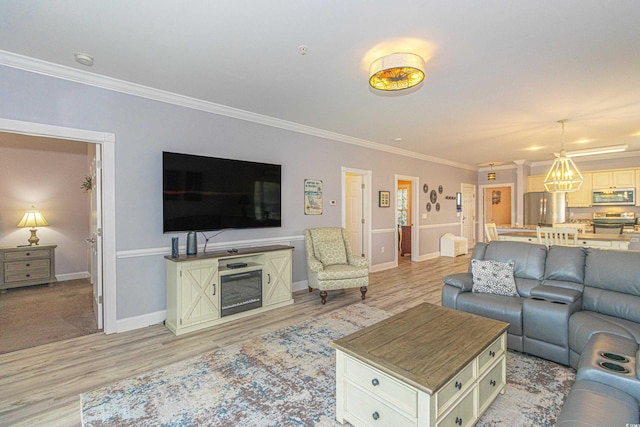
33,218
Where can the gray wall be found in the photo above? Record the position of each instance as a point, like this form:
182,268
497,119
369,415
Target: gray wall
144,128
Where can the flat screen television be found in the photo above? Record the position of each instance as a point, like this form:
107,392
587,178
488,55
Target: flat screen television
202,193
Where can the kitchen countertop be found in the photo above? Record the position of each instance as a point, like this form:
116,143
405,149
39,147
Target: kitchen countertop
581,236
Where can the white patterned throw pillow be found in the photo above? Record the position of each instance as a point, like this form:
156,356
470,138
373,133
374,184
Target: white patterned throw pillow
493,277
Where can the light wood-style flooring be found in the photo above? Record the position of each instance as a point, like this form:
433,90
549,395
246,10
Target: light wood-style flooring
41,385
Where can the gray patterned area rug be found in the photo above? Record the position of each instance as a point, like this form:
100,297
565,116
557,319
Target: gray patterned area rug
287,378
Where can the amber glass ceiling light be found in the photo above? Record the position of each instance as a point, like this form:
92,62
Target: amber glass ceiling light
396,71
491,176
563,176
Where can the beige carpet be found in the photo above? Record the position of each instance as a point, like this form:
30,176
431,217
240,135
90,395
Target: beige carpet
37,315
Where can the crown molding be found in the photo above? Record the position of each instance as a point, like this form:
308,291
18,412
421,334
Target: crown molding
586,159
38,66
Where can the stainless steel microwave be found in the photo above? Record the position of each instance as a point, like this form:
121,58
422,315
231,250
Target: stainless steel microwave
613,196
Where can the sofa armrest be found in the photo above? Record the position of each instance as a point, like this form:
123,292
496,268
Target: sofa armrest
358,261
554,293
462,281
314,264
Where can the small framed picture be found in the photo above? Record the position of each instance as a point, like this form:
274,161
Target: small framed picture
384,199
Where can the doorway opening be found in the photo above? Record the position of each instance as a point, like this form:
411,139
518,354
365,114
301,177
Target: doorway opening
406,205
404,218
104,294
497,206
468,213
356,209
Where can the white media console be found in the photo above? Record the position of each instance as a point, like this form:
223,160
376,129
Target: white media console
216,287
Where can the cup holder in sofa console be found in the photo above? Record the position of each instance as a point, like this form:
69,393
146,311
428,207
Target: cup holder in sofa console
614,357
614,367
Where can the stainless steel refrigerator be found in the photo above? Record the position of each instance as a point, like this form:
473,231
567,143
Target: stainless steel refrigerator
541,208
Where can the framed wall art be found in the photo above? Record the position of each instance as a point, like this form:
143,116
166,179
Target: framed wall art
313,197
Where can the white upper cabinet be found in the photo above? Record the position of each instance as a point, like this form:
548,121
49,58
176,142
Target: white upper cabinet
622,178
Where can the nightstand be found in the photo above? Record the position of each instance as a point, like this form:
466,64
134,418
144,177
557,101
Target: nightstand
27,265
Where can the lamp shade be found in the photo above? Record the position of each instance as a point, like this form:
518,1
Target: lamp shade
396,71
563,175
33,218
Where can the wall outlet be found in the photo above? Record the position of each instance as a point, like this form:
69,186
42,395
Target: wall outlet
382,249
424,216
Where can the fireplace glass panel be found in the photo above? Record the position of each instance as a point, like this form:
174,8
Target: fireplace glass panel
240,292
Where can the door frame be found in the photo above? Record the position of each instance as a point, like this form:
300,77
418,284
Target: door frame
472,187
107,141
415,211
481,192
366,203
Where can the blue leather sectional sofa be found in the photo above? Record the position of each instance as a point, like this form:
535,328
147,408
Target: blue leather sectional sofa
575,306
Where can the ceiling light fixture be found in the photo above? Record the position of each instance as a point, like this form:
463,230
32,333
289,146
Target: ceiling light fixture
84,59
397,71
491,176
563,176
595,151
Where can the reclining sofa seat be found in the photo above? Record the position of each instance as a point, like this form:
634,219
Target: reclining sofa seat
586,306
528,272
610,301
543,277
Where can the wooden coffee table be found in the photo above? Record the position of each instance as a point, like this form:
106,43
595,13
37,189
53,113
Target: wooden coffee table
427,366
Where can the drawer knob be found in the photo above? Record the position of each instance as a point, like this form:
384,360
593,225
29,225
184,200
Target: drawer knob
492,353
28,265
375,415
458,385
492,382
459,421
375,382
28,275
28,253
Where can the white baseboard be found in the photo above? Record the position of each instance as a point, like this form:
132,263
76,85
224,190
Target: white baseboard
300,286
431,255
73,276
137,322
380,267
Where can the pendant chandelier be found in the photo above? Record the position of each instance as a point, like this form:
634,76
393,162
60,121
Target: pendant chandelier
397,71
491,176
563,176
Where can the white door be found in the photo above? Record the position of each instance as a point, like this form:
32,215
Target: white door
353,207
95,228
468,219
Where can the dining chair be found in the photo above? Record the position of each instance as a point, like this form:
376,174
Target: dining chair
581,227
557,236
491,231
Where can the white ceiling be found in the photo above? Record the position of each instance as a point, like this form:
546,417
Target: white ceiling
499,74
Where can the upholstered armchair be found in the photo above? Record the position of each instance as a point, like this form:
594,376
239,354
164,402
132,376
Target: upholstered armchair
330,263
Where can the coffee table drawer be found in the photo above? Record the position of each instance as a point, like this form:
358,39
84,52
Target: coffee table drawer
455,388
368,410
463,414
380,384
491,384
491,353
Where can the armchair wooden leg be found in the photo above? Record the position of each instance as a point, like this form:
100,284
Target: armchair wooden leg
363,289
310,289
323,295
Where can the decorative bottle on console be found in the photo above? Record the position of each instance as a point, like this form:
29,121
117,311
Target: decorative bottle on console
192,243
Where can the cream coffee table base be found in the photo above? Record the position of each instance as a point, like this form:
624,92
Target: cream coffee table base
427,366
